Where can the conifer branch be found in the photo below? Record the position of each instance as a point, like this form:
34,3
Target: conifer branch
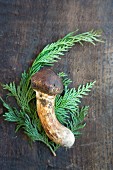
67,107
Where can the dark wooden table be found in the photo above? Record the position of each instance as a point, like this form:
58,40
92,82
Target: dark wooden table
26,26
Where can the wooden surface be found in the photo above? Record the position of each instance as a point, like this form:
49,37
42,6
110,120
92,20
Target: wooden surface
26,26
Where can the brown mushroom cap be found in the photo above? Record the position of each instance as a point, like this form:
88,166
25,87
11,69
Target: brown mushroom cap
47,82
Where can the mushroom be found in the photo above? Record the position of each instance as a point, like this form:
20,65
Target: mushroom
47,85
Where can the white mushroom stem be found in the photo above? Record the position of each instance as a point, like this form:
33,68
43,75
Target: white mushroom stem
53,128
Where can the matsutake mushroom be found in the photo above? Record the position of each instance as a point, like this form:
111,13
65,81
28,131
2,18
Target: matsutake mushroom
47,85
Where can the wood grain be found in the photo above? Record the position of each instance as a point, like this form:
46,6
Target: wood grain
25,28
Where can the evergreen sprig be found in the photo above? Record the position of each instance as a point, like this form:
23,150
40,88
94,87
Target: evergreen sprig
67,107
52,52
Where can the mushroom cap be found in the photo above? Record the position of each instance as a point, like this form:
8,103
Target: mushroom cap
46,81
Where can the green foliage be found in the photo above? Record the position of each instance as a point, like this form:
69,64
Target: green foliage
66,105
50,54
23,93
66,81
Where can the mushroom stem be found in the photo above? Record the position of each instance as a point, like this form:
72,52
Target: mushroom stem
53,128
45,97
